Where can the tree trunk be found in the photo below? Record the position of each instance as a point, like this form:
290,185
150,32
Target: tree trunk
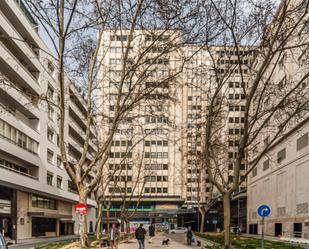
203,214
227,219
83,231
99,221
107,219
127,224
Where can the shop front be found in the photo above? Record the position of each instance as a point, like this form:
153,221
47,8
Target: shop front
44,227
7,213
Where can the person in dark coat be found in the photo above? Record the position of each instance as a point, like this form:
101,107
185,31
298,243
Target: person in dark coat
140,236
152,230
114,237
189,236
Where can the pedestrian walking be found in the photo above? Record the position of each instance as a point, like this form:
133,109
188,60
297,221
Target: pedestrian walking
189,236
152,231
114,237
140,236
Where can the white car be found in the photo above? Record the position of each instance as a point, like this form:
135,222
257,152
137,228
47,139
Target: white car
179,230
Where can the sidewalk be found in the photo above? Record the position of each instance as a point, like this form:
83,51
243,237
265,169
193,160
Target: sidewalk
31,243
157,243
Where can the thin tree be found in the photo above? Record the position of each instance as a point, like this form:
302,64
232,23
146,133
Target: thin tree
270,104
75,29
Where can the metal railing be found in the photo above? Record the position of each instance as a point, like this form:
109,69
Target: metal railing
295,234
18,172
27,13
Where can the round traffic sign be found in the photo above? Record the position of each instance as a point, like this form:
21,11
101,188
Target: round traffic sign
81,208
263,211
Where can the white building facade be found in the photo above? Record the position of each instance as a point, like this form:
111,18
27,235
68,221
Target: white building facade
281,181
36,195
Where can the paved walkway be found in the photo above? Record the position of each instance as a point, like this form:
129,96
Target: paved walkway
178,241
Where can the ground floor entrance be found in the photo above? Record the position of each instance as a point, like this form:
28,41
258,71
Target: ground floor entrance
278,229
253,229
8,212
44,227
66,228
298,229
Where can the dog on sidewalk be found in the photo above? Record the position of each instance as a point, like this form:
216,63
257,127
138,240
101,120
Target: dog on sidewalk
166,241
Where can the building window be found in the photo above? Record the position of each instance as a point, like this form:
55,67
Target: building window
50,135
281,155
254,172
43,202
72,187
18,138
50,92
156,155
59,162
50,178
51,113
302,208
50,156
302,142
58,140
266,165
266,141
59,182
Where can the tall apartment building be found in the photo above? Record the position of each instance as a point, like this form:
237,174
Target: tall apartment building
145,157
198,86
36,195
280,179
171,163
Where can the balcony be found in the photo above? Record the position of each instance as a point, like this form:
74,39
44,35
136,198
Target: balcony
27,14
16,72
19,172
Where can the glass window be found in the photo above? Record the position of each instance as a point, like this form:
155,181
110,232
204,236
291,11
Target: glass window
302,142
50,135
51,113
281,155
50,92
50,156
49,178
59,162
43,202
59,182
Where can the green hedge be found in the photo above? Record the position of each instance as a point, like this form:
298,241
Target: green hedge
240,242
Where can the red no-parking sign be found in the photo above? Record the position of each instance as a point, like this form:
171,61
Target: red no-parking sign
81,208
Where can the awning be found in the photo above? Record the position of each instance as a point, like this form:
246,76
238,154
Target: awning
48,215
66,220
111,220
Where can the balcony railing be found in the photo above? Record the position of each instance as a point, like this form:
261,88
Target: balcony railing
18,172
27,13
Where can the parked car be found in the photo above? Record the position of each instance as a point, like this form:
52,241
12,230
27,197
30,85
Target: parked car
179,230
3,244
236,230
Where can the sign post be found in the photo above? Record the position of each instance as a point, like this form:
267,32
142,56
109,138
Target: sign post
81,209
215,222
263,211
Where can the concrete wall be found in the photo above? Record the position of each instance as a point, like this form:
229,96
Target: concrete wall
284,187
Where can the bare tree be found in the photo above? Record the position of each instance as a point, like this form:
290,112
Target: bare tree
249,77
76,30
